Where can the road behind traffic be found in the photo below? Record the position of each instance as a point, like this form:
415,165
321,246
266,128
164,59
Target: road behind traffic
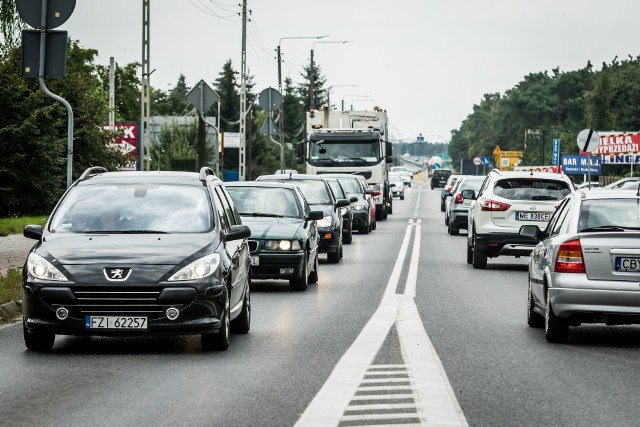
501,371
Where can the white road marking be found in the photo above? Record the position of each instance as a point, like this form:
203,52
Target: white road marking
384,396
435,401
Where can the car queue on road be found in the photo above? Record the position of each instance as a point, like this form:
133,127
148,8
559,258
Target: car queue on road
583,246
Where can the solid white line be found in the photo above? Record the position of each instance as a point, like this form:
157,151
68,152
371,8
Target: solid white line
435,398
377,406
392,284
378,425
412,276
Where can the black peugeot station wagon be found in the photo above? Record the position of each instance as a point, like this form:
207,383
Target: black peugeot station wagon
139,253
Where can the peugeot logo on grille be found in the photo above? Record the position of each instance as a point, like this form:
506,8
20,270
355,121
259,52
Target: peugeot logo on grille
117,274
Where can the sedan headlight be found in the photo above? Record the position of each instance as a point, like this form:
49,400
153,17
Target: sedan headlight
40,268
198,269
359,206
325,222
282,245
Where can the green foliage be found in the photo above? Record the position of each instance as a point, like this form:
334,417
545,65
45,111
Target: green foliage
127,90
10,26
178,148
174,103
10,286
16,224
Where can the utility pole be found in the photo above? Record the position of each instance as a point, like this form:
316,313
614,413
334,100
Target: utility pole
311,84
145,96
112,95
243,94
280,118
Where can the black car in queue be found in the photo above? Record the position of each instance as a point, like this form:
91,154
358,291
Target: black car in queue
347,214
139,253
362,206
284,234
318,194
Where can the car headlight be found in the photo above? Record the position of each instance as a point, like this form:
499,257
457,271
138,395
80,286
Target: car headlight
198,269
40,268
359,207
325,222
282,245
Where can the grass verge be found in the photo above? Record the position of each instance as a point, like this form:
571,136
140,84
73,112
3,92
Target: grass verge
15,225
10,288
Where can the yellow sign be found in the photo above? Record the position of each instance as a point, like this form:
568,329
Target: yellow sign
506,160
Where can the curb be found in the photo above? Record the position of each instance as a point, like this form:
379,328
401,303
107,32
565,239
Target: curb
10,309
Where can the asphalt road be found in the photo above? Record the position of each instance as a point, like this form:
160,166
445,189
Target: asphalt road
301,346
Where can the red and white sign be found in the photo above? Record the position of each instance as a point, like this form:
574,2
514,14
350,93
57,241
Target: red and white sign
617,143
128,143
551,169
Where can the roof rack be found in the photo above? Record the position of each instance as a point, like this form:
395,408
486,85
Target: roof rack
94,170
205,171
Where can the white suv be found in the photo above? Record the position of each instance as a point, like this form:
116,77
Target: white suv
505,202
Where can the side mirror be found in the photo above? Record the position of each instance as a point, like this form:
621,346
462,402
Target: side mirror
468,194
353,199
32,232
341,203
388,150
393,184
300,150
315,216
531,231
376,193
368,191
237,232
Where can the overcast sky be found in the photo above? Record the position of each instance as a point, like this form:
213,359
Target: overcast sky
427,62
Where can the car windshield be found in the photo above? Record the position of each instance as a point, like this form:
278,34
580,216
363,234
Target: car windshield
441,173
395,178
337,190
609,213
351,185
345,153
314,190
531,189
265,201
122,208
470,184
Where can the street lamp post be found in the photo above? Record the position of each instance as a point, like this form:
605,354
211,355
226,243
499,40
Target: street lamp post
329,93
281,119
355,96
312,69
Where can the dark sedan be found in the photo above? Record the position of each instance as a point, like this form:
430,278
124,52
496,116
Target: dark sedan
347,213
284,234
317,193
363,208
139,253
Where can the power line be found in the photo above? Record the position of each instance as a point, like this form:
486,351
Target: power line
224,6
207,11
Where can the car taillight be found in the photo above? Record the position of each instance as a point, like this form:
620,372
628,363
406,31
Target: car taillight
458,199
449,187
569,259
493,205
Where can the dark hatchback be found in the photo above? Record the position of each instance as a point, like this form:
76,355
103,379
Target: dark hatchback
362,206
347,212
139,253
284,234
318,194
439,178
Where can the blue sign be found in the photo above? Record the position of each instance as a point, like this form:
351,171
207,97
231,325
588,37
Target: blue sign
420,139
436,166
486,161
556,152
579,165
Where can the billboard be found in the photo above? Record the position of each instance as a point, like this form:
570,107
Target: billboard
612,143
579,165
128,143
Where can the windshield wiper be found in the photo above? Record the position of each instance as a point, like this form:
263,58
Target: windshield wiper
271,215
544,198
366,162
603,228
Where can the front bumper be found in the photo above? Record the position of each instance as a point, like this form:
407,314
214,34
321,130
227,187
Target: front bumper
329,242
270,264
496,244
201,306
361,218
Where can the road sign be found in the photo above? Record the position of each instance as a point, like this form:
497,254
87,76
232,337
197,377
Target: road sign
477,161
579,165
55,54
588,140
202,96
58,12
270,99
420,139
556,152
486,161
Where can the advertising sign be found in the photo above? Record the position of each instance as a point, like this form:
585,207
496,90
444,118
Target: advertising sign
551,169
618,143
129,141
555,154
231,139
621,159
579,165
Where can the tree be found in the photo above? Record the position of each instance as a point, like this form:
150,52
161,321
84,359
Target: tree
304,89
173,104
10,26
226,87
127,90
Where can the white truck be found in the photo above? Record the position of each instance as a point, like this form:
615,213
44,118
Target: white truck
350,142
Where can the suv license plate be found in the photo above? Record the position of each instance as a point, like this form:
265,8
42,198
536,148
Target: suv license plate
255,260
115,322
533,216
630,265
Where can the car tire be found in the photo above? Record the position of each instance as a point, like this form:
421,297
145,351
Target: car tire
219,340
374,225
479,258
379,215
469,254
38,341
242,323
452,231
341,251
402,197
313,275
301,283
534,320
390,209
446,219
442,206
366,229
348,238
333,258
556,330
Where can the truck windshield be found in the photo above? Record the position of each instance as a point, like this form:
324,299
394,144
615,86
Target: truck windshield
344,153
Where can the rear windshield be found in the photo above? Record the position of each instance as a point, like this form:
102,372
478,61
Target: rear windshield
440,174
623,213
531,189
314,190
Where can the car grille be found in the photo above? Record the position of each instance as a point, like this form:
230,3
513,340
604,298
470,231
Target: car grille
253,245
